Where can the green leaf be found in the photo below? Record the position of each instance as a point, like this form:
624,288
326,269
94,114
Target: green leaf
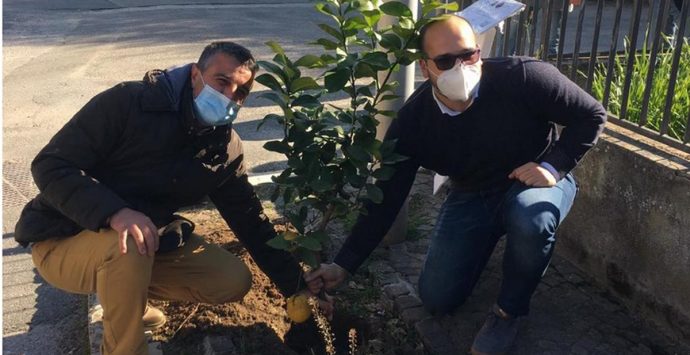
275,47
451,6
308,101
365,91
269,81
383,173
374,193
355,23
327,45
308,256
325,8
269,117
304,83
378,60
358,153
394,158
371,17
278,243
309,243
364,70
335,81
390,41
309,61
274,97
332,31
395,8
321,236
277,146
273,69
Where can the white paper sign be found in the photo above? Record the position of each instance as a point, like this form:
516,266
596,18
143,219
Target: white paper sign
486,14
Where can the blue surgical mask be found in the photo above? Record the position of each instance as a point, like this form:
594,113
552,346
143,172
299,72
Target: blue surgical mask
213,108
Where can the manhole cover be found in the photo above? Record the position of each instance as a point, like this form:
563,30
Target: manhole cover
17,184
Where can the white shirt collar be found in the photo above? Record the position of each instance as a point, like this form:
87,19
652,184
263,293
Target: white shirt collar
447,110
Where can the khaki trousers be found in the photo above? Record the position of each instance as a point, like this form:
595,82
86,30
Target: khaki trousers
91,262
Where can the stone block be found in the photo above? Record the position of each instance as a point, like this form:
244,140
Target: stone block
389,279
397,289
406,301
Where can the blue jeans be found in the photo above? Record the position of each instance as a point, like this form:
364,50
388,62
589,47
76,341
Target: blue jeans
468,227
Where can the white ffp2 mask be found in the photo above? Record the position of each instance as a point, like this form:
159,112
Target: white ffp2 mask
460,82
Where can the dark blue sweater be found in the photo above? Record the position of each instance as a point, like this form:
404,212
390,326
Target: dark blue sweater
510,123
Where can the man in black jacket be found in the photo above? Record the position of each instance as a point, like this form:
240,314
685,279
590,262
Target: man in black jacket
489,125
112,178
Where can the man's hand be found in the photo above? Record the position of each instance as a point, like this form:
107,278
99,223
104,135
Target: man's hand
533,174
327,275
130,222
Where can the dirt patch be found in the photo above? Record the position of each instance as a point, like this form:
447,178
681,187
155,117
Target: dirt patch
258,324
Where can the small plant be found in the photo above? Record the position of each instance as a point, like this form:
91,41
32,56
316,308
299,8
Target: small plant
332,152
657,100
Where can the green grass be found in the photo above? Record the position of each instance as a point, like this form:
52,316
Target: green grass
657,101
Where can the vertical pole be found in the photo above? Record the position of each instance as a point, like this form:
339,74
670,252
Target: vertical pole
405,76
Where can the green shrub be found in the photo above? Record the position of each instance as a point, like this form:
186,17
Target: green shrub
657,100
332,151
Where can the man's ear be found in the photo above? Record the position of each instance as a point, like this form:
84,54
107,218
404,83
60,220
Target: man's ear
424,68
195,71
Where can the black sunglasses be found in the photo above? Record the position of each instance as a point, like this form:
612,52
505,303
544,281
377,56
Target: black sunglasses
447,61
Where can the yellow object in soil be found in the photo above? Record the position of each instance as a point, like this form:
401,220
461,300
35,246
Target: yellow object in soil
290,235
298,309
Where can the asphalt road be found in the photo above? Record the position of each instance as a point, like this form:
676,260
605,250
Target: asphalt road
60,53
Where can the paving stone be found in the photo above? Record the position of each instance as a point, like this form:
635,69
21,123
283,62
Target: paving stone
435,339
397,289
406,301
219,345
398,249
155,348
380,267
390,279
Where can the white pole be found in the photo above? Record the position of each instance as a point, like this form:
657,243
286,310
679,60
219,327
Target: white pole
405,76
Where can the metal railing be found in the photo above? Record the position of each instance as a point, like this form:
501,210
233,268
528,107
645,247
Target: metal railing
591,43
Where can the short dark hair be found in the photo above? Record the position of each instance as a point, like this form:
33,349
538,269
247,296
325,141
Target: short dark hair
239,52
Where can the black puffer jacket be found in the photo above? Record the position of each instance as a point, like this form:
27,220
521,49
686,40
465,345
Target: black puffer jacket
137,145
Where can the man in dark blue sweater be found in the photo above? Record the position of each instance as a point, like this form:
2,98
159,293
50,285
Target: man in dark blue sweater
490,126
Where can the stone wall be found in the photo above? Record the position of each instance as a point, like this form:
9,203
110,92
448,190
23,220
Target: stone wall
630,226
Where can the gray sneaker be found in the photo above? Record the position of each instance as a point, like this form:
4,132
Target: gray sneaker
497,334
